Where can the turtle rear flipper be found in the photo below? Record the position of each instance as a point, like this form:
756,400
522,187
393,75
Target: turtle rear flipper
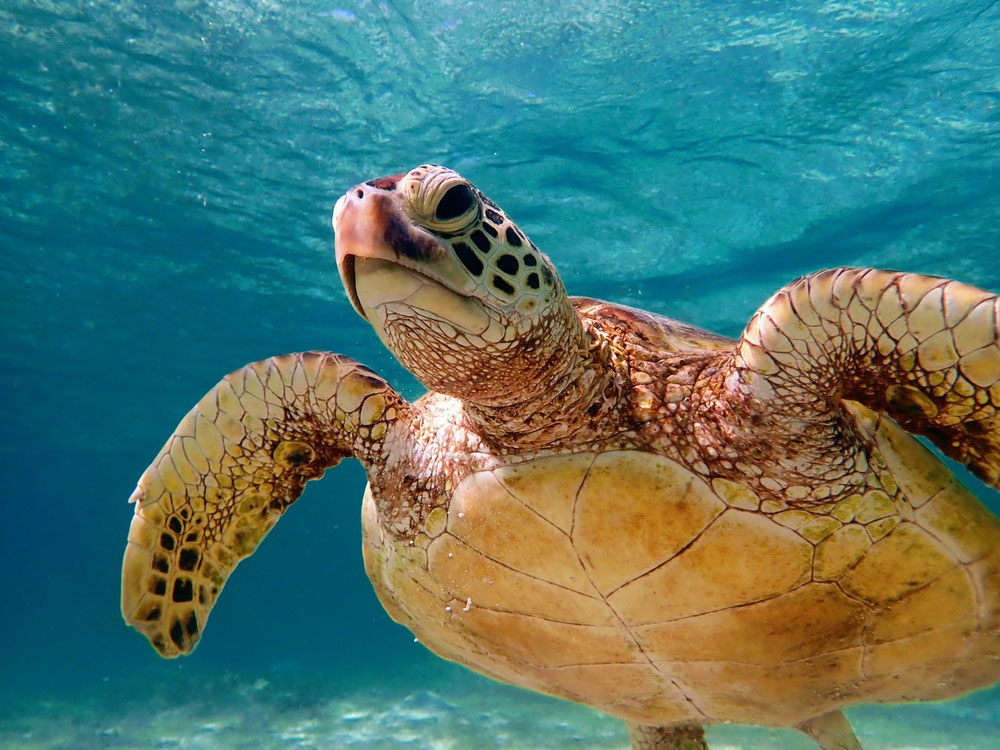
686,737
232,467
924,350
831,731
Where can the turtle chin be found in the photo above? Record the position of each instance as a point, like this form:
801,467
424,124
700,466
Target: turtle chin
452,343
383,289
417,318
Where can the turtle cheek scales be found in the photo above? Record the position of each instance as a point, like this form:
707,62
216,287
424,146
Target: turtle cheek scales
547,276
508,264
502,285
468,258
481,241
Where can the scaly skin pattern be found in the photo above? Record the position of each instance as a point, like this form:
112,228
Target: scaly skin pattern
610,506
667,738
234,464
921,349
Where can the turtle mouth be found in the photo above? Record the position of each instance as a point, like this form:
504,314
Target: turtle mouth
352,266
384,291
348,277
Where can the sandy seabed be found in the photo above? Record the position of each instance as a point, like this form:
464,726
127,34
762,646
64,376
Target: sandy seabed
449,710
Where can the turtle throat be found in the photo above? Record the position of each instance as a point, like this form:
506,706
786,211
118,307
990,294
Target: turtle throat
572,392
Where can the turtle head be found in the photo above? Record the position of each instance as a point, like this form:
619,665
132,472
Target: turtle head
452,286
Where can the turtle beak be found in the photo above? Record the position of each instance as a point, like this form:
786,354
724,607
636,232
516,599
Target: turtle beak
370,223
345,260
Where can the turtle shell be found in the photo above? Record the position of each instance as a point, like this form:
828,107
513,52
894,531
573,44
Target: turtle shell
625,581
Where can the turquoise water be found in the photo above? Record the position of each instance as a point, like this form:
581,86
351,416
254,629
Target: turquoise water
167,174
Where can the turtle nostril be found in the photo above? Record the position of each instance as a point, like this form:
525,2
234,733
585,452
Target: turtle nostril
360,193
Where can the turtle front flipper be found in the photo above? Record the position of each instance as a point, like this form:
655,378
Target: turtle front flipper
831,731
924,350
231,468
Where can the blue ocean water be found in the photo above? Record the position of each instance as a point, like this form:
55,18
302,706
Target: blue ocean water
167,175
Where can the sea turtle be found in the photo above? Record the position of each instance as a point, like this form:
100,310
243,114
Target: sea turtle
607,505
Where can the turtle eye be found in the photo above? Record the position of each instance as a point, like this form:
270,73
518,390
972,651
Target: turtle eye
457,201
